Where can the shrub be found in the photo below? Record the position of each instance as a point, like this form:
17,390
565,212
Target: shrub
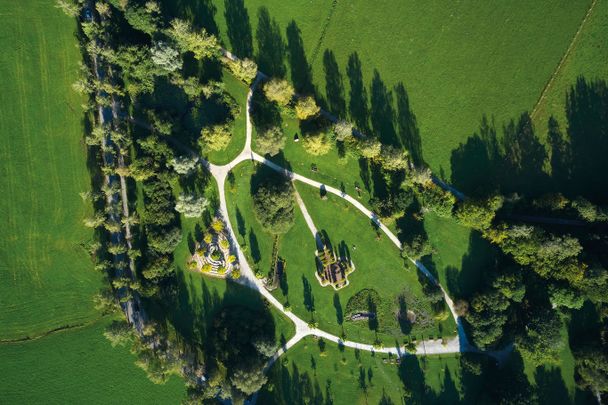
221,270
236,274
206,268
307,108
279,91
216,255
208,238
416,248
217,225
192,265
231,259
224,244
478,214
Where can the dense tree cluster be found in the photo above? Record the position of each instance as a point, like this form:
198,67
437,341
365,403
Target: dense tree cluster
273,204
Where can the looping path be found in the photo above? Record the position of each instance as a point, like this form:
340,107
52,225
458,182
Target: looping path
248,277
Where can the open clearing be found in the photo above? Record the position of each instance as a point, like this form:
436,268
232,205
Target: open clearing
46,277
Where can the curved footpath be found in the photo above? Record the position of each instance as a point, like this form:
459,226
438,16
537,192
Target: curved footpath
248,277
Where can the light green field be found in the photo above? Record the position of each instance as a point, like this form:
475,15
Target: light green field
587,58
46,277
337,377
78,366
378,262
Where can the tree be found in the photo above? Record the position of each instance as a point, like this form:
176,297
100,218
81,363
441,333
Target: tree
164,241
158,268
393,158
434,198
478,214
343,130
184,165
370,148
279,91
307,108
245,70
248,380
592,369
274,207
119,333
271,141
69,7
202,44
317,144
166,57
144,19
418,247
542,341
216,137
191,206
566,296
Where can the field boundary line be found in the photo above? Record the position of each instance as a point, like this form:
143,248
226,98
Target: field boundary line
321,39
54,331
558,68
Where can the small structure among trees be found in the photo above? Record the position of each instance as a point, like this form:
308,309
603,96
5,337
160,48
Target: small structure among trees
332,269
213,254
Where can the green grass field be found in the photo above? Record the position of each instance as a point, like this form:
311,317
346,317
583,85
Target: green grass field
46,277
378,262
456,63
79,366
338,376
587,58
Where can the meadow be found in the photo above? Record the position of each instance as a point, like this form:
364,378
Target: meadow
79,366
46,276
455,64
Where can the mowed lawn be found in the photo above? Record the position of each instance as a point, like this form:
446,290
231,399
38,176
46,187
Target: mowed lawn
46,277
378,262
79,366
345,376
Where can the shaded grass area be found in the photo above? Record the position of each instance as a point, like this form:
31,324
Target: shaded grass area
346,376
46,277
200,297
587,58
239,91
461,255
79,366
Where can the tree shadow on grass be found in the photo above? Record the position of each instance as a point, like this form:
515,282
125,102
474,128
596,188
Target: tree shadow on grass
239,28
334,85
200,12
383,112
358,104
550,386
301,73
407,127
271,47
